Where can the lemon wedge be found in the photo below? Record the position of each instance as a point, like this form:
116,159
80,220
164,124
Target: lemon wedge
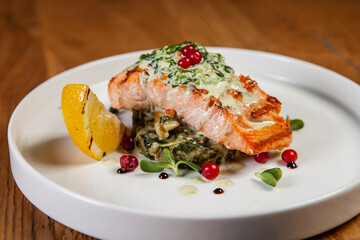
93,129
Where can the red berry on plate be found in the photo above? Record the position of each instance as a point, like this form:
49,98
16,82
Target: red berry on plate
184,62
124,162
210,170
186,50
289,155
261,157
128,163
128,143
133,163
195,57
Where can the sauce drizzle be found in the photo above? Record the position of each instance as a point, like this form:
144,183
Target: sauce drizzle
223,182
218,191
120,171
292,165
187,190
163,175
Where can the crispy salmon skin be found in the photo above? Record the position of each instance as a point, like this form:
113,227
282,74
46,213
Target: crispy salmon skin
228,109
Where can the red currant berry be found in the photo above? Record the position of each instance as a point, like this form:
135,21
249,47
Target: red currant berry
128,143
195,57
128,163
261,157
124,162
186,50
185,62
289,155
210,170
133,163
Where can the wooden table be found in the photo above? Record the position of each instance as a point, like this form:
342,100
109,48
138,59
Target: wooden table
41,38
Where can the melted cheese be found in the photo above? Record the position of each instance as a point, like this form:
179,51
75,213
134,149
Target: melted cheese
218,90
257,125
228,101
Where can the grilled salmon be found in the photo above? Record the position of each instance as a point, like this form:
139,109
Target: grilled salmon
228,109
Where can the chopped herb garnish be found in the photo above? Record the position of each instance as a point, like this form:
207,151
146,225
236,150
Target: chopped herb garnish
211,69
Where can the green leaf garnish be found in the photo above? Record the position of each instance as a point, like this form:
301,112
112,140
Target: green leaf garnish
270,176
192,165
276,172
296,124
267,178
169,156
148,166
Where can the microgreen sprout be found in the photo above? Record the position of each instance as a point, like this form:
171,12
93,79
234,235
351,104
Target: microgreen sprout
148,166
270,176
295,124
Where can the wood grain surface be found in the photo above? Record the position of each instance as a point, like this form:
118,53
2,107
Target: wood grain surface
41,38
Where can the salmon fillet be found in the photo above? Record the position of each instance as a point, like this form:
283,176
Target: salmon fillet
258,128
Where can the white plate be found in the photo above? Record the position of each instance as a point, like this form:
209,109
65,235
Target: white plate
86,195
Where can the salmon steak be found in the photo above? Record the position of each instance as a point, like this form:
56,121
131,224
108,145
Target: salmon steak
200,90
